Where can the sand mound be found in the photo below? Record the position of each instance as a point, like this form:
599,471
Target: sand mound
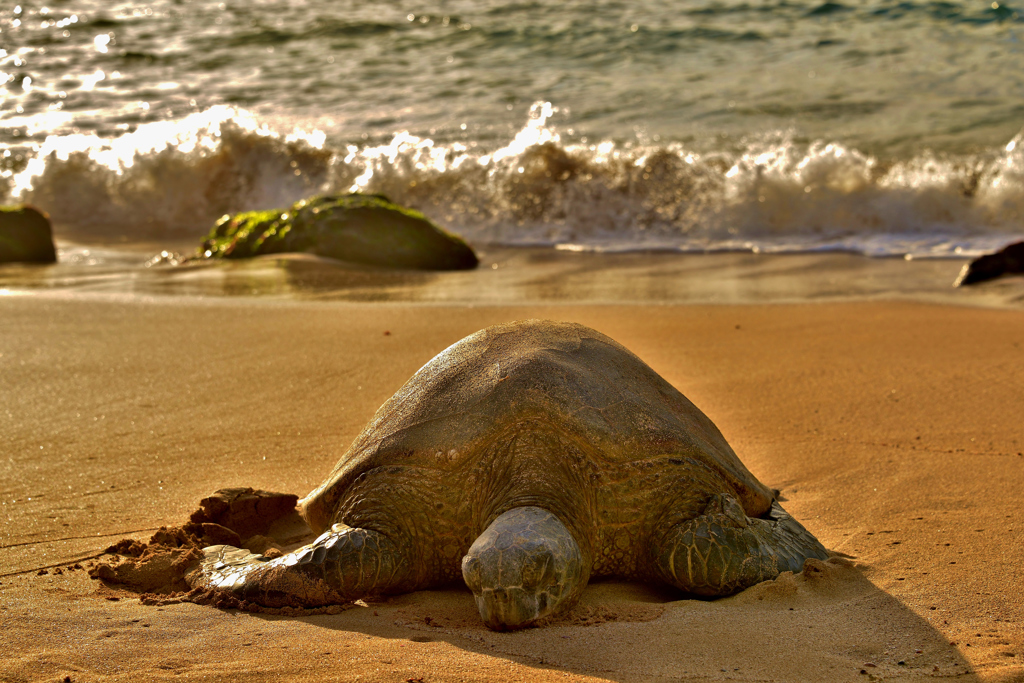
158,568
834,579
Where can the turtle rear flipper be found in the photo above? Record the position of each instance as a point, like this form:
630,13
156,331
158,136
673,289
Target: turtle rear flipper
723,551
342,564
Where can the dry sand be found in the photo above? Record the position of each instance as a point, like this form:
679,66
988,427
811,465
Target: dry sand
892,429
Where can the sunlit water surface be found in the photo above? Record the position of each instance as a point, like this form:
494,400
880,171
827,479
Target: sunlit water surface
879,127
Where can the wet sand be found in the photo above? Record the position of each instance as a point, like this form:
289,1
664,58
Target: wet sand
512,276
891,428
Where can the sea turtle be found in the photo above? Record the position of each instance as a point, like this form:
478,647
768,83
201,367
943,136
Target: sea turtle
525,459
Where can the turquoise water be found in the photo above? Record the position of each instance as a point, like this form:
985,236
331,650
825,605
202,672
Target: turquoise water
877,127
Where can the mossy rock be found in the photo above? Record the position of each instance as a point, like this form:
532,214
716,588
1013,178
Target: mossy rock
25,235
359,228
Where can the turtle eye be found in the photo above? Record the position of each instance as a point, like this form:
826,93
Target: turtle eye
471,573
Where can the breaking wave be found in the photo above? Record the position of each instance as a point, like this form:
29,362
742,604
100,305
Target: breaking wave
543,187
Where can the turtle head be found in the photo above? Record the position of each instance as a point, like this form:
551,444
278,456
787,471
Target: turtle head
524,566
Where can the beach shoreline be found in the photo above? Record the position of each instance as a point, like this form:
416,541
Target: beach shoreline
891,429
508,276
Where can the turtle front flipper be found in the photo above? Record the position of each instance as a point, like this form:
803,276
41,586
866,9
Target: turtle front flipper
723,551
343,564
524,566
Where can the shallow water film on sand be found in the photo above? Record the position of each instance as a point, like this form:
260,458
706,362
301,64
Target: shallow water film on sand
878,127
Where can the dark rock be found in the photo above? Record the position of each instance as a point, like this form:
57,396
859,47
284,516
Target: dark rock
25,235
1008,260
359,228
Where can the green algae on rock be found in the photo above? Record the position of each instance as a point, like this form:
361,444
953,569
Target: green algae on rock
361,228
25,235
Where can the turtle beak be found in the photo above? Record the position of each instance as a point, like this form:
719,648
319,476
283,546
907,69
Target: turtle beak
508,609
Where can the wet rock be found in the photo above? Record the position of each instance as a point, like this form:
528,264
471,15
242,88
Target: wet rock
1006,261
25,235
367,229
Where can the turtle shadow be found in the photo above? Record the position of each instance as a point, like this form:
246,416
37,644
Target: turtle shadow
828,622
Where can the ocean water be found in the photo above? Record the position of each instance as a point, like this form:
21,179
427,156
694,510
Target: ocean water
880,127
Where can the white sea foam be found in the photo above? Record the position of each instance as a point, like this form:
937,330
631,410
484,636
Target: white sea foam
541,187
169,178
877,126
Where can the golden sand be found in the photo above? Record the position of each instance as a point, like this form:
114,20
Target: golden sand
893,431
